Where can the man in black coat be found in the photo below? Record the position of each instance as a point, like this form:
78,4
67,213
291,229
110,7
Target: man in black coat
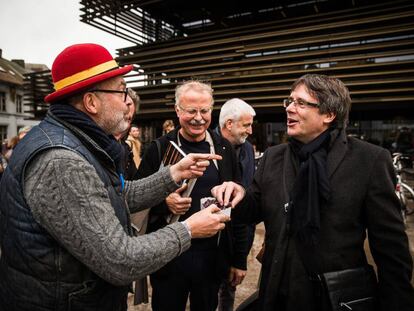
319,196
199,271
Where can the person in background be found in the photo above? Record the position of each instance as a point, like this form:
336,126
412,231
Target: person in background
4,146
167,126
235,125
320,195
127,157
134,142
198,272
3,165
23,131
139,219
11,144
65,234
3,162
404,141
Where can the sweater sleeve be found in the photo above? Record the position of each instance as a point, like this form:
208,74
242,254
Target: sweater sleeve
69,200
149,165
149,191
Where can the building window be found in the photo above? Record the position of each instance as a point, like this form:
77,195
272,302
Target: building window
19,103
2,101
3,133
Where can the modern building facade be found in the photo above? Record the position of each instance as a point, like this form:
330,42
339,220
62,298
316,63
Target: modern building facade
13,110
255,50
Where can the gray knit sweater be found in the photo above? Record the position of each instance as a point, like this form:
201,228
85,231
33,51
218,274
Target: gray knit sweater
69,200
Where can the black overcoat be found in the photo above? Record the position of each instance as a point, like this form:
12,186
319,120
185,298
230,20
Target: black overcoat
362,201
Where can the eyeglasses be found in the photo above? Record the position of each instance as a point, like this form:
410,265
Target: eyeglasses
125,92
298,103
193,111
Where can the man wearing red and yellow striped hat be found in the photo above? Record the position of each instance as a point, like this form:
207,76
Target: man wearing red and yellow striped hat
65,234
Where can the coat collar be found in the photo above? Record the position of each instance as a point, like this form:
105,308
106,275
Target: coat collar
337,152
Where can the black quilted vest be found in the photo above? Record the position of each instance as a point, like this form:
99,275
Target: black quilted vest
36,272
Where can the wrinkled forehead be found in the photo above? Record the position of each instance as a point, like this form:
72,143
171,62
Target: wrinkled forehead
115,83
193,96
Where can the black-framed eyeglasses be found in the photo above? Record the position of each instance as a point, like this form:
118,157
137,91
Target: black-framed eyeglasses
125,92
299,102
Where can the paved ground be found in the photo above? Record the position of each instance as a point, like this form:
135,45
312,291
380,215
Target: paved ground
250,282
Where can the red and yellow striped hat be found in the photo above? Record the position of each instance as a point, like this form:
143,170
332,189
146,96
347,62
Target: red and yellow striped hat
80,66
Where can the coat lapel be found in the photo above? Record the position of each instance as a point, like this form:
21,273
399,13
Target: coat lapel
337,153
290,172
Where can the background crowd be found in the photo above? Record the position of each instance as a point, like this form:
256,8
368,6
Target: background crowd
98,214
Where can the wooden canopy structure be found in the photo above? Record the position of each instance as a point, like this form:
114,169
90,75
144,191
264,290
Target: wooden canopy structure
256,50
36,85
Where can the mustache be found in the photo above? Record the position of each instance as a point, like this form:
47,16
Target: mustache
197,122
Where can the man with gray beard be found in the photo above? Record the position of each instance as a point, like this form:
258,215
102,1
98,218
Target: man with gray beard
198,272
65,234
235,125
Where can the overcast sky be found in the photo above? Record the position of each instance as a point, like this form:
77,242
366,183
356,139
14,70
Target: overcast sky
38,30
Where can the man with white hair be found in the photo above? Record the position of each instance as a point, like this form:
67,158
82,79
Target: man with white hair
236,120
197,273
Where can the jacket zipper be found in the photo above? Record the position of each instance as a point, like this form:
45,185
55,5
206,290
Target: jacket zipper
348,303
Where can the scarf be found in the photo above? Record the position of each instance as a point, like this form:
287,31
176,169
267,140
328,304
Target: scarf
80,120
311,187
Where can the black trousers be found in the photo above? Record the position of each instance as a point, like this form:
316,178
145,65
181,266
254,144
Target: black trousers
193,274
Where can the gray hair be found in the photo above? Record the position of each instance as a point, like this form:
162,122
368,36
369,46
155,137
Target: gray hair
233,110
135,98
194,85
331,93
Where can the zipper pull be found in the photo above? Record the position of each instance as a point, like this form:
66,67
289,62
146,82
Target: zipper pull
286,207
343,304
122,179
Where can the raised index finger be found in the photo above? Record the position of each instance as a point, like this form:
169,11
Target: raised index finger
206,156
